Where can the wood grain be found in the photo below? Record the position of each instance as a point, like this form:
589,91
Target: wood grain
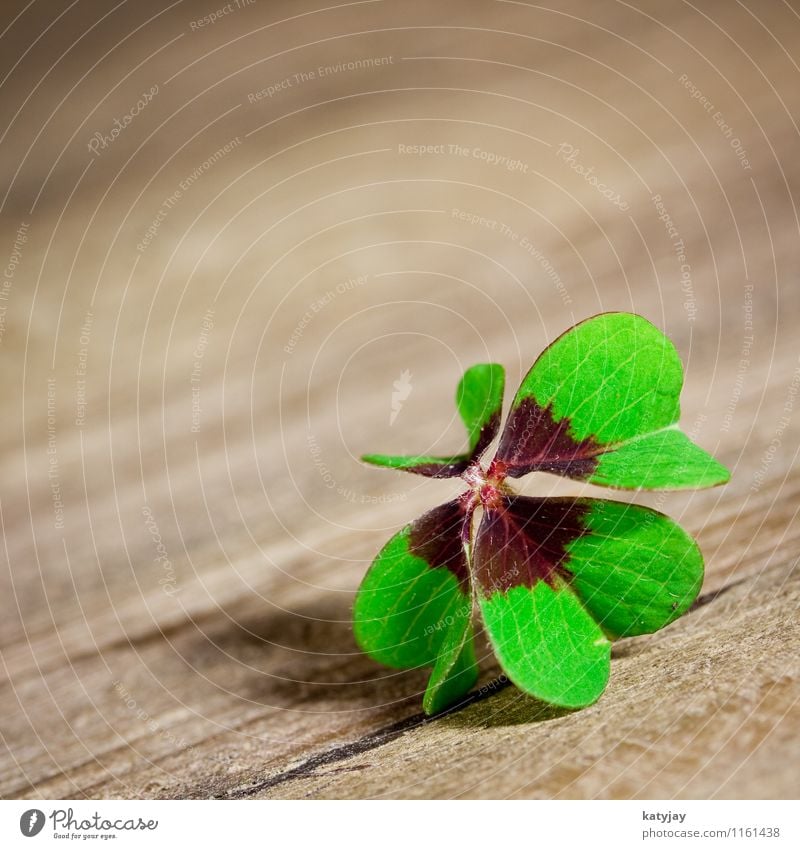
184,517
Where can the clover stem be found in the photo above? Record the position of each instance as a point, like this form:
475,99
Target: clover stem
486,488
498,471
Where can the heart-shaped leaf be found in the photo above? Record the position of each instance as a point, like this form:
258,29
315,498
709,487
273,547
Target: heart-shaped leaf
547,643
430,467
601,404
634,569
417,586
479,398
628,569
543,636
455,671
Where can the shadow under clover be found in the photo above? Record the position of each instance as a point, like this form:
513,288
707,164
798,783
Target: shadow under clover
304,659
499,703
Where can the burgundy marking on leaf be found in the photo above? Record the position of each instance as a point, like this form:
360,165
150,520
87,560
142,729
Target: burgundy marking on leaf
523,540
488,433
440,470
430,467
436,537
533,441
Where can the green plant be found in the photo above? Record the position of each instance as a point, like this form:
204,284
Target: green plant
555,579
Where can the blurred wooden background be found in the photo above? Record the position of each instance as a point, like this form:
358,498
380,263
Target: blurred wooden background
224,239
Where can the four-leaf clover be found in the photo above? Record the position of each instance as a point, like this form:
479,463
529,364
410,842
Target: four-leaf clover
555,579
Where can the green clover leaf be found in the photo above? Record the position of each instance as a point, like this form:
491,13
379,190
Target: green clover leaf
479,398
555,579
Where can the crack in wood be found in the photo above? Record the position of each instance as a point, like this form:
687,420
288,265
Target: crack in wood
308,768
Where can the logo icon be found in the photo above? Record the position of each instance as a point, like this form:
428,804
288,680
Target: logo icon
31,822
402,389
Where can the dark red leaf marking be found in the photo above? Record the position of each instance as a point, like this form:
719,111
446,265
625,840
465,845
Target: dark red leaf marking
523,540
436,537
533,441
439,470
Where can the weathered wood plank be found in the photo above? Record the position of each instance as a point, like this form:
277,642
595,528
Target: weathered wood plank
692,712
223,664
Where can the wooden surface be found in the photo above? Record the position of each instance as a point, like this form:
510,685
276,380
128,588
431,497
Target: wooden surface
185,523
